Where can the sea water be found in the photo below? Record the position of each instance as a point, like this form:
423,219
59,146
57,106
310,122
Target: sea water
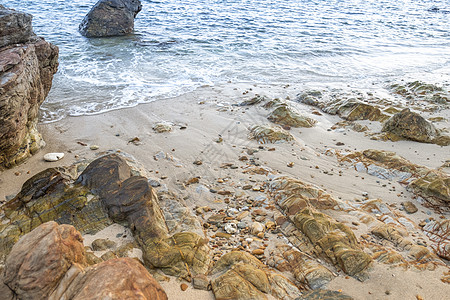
179,46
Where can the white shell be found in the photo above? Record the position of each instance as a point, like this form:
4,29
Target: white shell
53,156
230,228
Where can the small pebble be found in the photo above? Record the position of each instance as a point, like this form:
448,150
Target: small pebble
94,147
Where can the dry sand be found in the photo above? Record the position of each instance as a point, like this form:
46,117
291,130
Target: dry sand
208,115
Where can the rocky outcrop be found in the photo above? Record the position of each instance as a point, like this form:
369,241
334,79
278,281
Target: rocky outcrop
16,27
418,90
432,185
336,241
107,191
349,107
412,126
110,18
50,263
27,66
439,234
306,271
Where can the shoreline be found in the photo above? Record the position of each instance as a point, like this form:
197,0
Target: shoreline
200,119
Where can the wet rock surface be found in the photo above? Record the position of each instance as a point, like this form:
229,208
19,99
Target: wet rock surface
27,66
110,18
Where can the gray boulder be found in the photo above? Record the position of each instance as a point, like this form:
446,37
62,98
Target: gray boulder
15,27
110,18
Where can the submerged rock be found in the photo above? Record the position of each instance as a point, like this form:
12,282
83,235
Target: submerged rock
264,134
27,65
110,18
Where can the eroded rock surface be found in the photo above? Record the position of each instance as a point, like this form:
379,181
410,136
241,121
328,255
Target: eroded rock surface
39,260
110,18
27,66
242,276
108,190
50,263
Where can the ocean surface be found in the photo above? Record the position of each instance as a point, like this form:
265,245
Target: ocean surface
179,46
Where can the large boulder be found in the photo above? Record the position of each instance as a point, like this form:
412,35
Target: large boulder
412,126
40,259
50,263
27,66
110,18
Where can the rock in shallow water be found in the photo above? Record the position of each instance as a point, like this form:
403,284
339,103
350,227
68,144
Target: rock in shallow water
110,18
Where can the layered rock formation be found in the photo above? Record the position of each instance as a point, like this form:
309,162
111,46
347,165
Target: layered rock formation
50,263
105,192
27,66
110,18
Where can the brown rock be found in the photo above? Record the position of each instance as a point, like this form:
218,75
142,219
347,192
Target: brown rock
183,287
122,278
39,260
27,72
258,252
242,276
409,207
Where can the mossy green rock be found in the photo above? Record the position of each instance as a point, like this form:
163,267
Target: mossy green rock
184,254
287,116
335,240
242,276
412,126
50,196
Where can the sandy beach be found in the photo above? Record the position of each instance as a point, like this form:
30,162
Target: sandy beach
210,129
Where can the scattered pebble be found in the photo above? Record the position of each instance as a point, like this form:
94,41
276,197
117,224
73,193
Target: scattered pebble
53,156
